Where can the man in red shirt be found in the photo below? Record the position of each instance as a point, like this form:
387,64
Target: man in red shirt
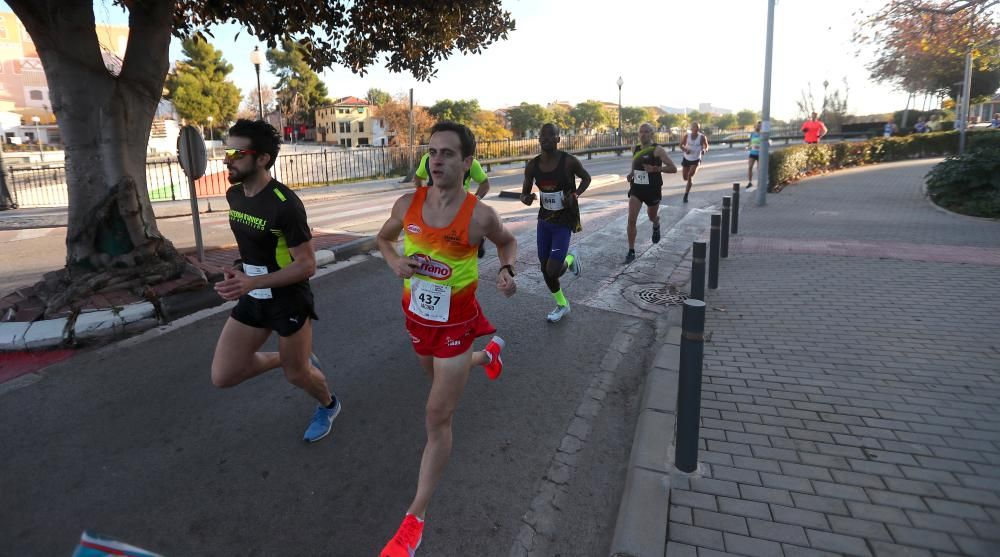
813,129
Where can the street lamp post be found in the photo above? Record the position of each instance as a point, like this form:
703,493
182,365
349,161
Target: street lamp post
765,126
38,137
257,58
620,83
211,134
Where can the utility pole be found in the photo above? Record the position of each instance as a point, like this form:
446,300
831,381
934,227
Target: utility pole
412,171
765,126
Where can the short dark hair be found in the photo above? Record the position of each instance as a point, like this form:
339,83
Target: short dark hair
465,135
263,137
552,126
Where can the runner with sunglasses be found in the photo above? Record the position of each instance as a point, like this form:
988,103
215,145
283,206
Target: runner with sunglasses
272,285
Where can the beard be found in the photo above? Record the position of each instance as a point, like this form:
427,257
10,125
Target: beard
236,176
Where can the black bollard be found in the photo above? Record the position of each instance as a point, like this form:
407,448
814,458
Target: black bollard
736,208
724,244
713,251
698,270
689,386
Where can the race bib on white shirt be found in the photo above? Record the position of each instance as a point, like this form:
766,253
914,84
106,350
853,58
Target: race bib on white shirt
429,300
553,200
256,271
640,177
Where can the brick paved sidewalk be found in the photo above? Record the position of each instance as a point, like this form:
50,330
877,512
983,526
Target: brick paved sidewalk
851,398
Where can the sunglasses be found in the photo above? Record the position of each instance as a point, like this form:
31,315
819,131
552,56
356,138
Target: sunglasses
237,154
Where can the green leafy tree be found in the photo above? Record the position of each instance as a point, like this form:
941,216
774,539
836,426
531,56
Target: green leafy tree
198,87
463,112
747,117
562,117
921,46
377,97
671,121
635,116
704,119
299,89
589,115
105,111
526,117
725,121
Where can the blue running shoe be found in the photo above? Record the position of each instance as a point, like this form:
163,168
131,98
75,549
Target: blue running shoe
321,423
322,420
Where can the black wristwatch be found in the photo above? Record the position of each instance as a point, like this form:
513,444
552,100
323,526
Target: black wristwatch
510,269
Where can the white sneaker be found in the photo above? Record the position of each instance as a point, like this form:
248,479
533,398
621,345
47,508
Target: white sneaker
557,314
575,267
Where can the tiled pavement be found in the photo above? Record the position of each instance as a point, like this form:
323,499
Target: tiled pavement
850,401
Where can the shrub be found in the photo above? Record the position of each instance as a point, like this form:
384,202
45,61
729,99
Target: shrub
968,184
797,161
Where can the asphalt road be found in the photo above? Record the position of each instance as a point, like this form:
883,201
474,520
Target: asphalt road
133,441
28,253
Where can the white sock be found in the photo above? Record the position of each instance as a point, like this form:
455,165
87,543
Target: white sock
489,356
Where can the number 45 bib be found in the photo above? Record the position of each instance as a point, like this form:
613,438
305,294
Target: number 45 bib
430,300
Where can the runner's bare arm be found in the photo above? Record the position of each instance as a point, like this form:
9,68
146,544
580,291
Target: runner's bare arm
704,143
526,196
580,172
483,189
666,164
388,236
236,283
496,232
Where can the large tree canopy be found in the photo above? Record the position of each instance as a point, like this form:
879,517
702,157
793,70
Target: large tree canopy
105,115
463,112
589,115
299,89
377,96
527,117
635,116
921,45
198,86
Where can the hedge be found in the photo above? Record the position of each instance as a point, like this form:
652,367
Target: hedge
798,161
968,184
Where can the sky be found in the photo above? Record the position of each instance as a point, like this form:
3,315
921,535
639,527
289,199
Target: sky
668,53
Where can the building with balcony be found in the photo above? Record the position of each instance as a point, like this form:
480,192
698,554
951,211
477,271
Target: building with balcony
22,77
346,122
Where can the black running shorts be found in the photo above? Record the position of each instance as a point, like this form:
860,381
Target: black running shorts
650,195
285,316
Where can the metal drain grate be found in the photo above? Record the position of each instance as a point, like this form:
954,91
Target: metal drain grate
661,297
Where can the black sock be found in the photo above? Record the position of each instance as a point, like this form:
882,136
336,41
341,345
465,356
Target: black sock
333,402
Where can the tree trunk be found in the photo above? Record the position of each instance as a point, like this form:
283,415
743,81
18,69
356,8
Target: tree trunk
112,238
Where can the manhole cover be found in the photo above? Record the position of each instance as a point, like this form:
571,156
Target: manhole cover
661,297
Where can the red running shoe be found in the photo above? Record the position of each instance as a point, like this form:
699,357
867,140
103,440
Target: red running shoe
495,367
407,538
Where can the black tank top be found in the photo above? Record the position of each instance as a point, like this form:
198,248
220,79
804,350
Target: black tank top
559,180
647,155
